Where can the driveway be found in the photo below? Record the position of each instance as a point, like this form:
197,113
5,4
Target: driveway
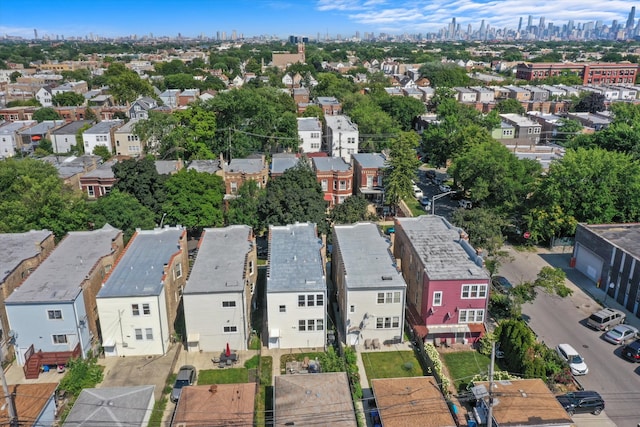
558,320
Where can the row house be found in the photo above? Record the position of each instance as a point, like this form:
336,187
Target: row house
170,97
291,81
239,171
370,289
596,73
139,298
188,96
98,182
368,173
554,91
341,137
483,94
80,87
550,125
537,94
44,96
74,113
301,95
213,405
413,92
210,166
29,138
102,133
222,280
525,128
310,134
329,105
505,131
590,120
9,136
53,313
72,168
64,139
335,177
447,286
127,141
280,162
465,94
296,287
518,93
20,254
12,114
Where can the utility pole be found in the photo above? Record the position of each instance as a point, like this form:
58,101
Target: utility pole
493,357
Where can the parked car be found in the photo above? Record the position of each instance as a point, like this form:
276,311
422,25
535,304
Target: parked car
573,358
430,174
186,376
631,351
465,204
621,334
417,192
606,318
444,188
582,402
501,284
425,201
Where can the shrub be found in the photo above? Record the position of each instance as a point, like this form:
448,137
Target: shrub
432,354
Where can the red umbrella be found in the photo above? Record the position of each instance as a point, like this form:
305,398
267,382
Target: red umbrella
36,138
228,351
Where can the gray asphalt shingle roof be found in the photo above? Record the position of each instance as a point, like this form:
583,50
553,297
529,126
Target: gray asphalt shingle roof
370,160
16,247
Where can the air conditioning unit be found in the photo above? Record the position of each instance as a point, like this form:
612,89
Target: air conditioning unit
125,345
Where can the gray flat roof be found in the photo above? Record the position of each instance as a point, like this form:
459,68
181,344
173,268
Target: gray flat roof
624,236
71,128
12,127
115,406
16,247
166,167
327,100
340,122
370,160
438,244
368,261
127,127
246,165
309,124
103,171
42,127
208,166
280,164
59,277
140,269
330,164
295,263
103,127
220,264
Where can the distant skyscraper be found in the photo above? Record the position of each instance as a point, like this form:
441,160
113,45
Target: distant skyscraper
529,23
632,18
35,34
520,25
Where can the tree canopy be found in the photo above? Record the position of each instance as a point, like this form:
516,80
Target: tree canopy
444,74
123,211
46,113
67,99
141,179
402,166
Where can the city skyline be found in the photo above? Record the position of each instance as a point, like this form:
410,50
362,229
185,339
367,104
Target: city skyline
311,18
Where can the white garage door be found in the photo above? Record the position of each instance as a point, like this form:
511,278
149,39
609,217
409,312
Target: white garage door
588,263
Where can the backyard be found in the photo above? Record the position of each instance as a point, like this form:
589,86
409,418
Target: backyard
463,365
391,364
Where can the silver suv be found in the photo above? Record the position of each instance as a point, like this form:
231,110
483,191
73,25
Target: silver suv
605,319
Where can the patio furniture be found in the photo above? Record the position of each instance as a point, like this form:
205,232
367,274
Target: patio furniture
367,344
376,343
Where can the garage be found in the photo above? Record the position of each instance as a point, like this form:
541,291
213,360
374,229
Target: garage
588,263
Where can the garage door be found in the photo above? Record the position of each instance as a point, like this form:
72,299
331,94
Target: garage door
588,263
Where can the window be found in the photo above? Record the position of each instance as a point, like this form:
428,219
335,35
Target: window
149,333
228,304
319,324
54,314
379,322
283,309
301,300
395,322
138,332
302,325
471,316
310,301
319,300
59,339
146,309
388,298
311,325
343,184
437,298
135,309
230,329
474,291
177,271
352,309
90,191
325,184
396,297
250,268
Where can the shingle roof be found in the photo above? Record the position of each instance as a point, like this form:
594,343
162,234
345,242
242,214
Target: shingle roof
112,406
16,247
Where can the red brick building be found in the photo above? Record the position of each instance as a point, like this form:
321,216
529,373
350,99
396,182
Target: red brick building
335,177
596,73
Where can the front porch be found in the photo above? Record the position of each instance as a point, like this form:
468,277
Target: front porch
34,361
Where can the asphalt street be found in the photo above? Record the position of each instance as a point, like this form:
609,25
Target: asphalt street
558,320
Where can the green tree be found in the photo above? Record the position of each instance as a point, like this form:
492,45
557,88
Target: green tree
67,99
375,127
24,103
194,199
46,146
313,111
141,179
402,167
46,113
353,209
403,109
122,211
13,77
33,197
444,74
483,226
294,196
244,208
126,85
568,128
510,106
103,152
156,133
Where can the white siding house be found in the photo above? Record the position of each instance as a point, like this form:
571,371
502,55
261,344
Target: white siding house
100,134
135,304
370,288
9,138
217,298
341,137
310,134
296,287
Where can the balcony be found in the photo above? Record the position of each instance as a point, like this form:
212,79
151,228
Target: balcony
34,361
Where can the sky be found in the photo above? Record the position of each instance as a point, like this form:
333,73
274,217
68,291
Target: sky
282,18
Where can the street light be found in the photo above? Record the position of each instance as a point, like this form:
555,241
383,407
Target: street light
606,292
436,197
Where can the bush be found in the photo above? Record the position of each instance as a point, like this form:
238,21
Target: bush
432,354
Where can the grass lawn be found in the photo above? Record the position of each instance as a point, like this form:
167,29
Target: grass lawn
416,208
223,376
391,364
463,365
296,356
263,400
